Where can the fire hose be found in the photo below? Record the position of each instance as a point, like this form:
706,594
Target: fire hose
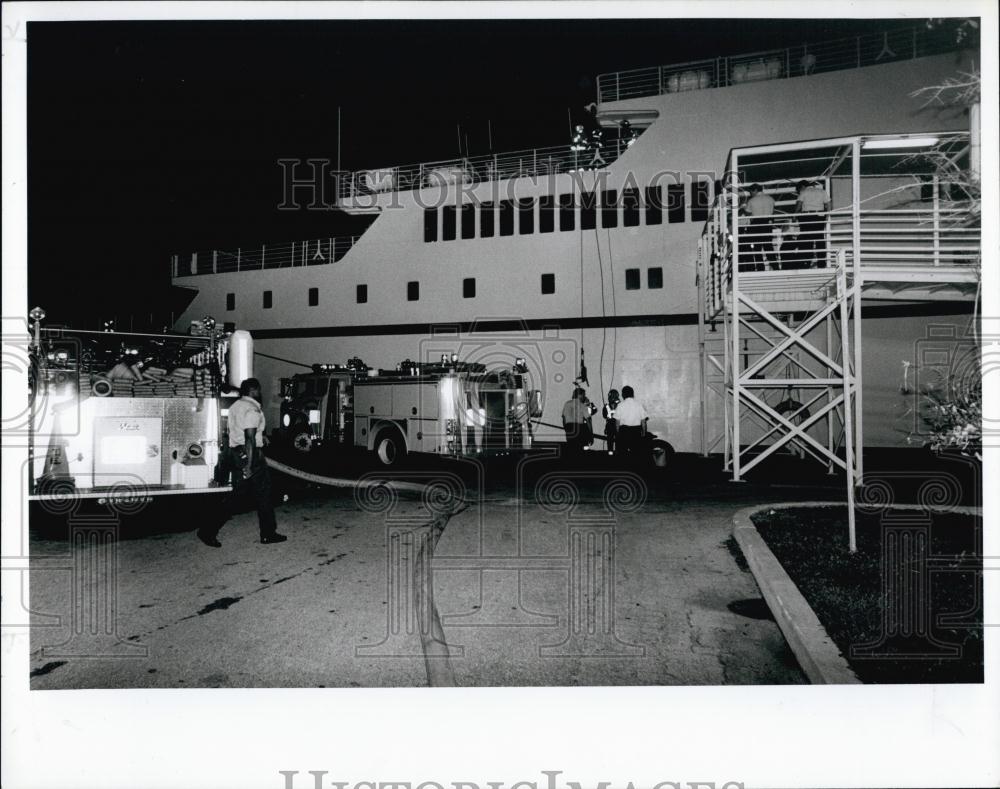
432,640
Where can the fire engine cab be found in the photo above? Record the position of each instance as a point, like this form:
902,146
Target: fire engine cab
448,408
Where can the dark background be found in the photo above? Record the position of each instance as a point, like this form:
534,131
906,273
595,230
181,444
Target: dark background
151,138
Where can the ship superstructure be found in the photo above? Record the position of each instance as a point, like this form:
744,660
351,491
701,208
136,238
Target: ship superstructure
553,254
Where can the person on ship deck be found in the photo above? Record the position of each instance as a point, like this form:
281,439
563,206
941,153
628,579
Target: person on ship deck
813,205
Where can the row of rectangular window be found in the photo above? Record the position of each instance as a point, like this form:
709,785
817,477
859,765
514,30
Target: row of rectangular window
654,279
461,220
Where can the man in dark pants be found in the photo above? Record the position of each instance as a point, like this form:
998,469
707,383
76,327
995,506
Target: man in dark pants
813,206
610,420
631,418
576,422
760,209
246,459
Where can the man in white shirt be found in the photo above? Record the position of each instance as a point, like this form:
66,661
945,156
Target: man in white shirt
631,418
814,204
253,480
760,209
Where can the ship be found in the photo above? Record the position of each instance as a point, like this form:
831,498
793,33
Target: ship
584,259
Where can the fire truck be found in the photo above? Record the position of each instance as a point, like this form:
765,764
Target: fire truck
126,415
448,408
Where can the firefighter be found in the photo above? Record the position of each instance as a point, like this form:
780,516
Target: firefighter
596,142
246,459
627,133
576,416
578,144
632,420
611,420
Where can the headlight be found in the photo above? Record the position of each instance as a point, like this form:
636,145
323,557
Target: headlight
286,420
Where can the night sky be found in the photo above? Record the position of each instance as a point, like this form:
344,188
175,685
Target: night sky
147,139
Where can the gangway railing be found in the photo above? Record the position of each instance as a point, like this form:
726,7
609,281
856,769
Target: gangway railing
870,49
907,237
933,237
529,163
283,254
468,170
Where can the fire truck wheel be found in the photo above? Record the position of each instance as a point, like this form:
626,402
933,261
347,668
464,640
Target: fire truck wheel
663,454
389,447
303,442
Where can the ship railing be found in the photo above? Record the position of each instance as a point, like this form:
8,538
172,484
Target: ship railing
470,170
936,236
870,49
284,254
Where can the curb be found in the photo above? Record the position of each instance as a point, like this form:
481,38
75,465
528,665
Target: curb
819,657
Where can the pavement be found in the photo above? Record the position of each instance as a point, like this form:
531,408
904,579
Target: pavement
578,578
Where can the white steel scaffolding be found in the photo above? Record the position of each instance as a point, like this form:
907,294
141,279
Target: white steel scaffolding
787,283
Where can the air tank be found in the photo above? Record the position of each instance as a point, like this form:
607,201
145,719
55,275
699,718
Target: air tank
239,357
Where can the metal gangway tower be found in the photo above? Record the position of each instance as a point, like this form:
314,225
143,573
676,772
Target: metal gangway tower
781,294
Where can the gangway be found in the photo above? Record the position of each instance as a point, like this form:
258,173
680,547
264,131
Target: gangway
781,296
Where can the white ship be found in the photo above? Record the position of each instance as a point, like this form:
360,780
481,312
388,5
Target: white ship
545,253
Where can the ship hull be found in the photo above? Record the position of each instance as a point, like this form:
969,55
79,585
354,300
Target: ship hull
623,291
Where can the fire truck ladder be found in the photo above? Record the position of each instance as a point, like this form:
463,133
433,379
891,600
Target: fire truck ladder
786,366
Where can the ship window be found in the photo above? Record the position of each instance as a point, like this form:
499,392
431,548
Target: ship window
448,223
548,283
468,221
313,297
654,205
362,294
506,218
675,203
546,214
567,212
654,277
230,301
588,211
469,288
630,207
430,224
487,220
268,300
701,198
526,215
412,291
609,208
632,279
